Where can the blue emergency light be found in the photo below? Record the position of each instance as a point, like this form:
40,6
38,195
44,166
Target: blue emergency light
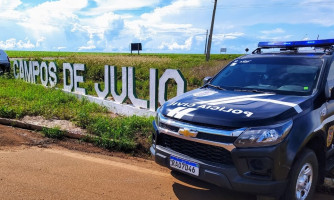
296,44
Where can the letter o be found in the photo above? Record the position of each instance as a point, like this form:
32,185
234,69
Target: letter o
237,111
179,79
44,77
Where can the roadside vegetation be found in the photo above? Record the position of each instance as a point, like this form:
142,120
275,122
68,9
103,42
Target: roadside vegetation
127,134
53,133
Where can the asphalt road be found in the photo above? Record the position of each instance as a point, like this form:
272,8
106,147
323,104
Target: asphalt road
32,167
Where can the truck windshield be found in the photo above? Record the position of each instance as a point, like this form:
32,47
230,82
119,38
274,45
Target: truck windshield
297,75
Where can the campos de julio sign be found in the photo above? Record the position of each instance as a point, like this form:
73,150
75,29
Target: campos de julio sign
47,74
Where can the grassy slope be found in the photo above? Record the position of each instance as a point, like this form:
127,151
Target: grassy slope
18,99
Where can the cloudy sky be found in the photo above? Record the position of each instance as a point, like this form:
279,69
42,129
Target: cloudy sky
163,26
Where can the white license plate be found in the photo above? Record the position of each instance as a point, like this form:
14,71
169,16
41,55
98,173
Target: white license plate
184,165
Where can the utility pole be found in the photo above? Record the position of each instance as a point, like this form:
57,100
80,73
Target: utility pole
206,42
211,31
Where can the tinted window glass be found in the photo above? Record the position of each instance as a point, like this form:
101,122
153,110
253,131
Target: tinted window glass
294,75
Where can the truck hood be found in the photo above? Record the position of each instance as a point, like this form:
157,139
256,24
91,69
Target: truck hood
207,106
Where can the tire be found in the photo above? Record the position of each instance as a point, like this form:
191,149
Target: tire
303,177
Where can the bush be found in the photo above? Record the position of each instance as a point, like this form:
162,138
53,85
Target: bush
53,133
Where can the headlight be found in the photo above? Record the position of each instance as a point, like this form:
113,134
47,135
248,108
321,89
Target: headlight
263,136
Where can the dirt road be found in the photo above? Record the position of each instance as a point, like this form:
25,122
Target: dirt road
33,167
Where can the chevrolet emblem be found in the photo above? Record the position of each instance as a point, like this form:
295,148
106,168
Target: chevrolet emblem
188,133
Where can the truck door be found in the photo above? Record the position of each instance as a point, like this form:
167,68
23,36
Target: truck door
330,126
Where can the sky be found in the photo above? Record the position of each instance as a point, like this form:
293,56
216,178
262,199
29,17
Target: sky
162,26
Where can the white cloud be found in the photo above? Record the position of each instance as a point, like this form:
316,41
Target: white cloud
51,17
39,41
176,8
12,43
276,38
9,4
61,48
8,44
231,36
8,9
100,25
104,6
168,23
179,25
83,48
90,45
175,46
25,45
274,31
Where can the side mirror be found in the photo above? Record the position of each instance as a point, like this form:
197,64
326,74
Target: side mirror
329,90
206,80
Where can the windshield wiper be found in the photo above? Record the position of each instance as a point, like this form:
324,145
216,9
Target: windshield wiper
253,90
215,86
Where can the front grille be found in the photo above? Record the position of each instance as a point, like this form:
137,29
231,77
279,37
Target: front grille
216,138
202,135
203,152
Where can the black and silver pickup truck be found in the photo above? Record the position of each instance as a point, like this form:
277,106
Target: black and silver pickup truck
263,125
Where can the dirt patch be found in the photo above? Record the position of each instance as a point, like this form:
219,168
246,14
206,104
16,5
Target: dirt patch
14,137
8,139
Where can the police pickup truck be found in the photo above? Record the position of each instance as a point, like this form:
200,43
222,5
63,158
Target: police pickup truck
263,125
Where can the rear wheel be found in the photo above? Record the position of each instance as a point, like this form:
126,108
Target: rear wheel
303,177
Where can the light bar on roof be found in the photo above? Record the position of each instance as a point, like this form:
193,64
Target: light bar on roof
295,44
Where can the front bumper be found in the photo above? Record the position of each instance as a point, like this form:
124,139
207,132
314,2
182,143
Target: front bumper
223,176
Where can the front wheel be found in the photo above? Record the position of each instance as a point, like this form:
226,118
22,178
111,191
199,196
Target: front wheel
303,177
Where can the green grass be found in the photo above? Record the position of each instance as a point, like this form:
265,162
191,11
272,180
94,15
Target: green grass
18,99
53,133
193,66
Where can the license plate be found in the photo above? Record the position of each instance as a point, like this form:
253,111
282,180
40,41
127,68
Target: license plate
184,165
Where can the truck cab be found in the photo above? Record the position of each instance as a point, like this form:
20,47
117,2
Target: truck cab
263,125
